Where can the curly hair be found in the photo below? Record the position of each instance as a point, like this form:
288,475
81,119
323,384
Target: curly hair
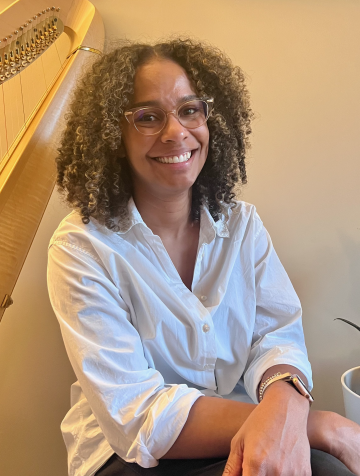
93,171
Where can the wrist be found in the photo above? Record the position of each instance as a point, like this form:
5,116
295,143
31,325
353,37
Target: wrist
293,379
288,397
322,431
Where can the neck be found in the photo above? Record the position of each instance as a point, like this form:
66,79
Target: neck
170,216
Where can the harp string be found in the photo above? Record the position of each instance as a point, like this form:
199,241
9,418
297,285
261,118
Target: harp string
37,42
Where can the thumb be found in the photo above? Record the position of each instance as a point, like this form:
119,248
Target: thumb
234,463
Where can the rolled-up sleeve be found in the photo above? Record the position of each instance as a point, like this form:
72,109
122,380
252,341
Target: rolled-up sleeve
139,415
278,336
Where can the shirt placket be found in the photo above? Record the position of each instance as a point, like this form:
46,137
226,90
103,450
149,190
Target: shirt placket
197,309
207,326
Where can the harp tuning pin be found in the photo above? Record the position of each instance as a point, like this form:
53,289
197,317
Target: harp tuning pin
10,36
16,32
58,9
5,39
26,24
21,28
44,11
48,9
30,20
53,8
35,17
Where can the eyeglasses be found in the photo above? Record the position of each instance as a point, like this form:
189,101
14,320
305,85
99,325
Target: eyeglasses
152,120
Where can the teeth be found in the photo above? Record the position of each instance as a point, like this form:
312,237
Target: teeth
174,160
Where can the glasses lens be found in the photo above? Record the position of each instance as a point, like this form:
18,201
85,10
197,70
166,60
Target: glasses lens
193,114
149,120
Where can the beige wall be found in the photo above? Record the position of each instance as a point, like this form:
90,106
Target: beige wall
303,67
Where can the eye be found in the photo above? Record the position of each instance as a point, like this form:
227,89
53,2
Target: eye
147,117
189,110
193,110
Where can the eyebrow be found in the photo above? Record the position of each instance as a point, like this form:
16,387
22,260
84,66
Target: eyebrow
157,103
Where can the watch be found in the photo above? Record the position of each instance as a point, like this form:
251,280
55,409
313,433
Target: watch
292,379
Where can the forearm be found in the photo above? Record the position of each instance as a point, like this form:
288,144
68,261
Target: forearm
209,429
213,422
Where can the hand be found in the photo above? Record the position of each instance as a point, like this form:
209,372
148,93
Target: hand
336,435
273,441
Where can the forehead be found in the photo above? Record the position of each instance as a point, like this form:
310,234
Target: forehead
161,81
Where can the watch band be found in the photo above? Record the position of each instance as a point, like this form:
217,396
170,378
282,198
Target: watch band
292,379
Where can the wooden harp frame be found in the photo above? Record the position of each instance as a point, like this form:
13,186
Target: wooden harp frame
28,172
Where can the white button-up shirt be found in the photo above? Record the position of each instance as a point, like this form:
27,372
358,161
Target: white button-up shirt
144,347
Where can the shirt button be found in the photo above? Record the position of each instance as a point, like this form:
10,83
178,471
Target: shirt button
203,298
206,328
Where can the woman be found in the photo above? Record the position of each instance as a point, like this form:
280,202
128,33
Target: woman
168,290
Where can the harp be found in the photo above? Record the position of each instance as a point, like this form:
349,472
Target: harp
43,51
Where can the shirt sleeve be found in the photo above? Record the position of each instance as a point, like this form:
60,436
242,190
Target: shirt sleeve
140,415
278,336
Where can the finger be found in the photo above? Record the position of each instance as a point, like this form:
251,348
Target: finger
234,464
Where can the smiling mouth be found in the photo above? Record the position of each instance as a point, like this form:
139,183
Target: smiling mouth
176,159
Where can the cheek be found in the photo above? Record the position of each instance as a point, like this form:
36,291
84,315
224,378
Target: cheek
131,146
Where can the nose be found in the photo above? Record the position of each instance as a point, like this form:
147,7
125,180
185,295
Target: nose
173,130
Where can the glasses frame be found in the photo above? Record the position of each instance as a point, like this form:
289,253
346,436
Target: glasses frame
129,113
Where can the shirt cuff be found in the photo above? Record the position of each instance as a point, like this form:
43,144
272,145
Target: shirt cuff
163,424
290,355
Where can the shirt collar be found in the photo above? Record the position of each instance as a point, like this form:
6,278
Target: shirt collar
208,226
134,218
